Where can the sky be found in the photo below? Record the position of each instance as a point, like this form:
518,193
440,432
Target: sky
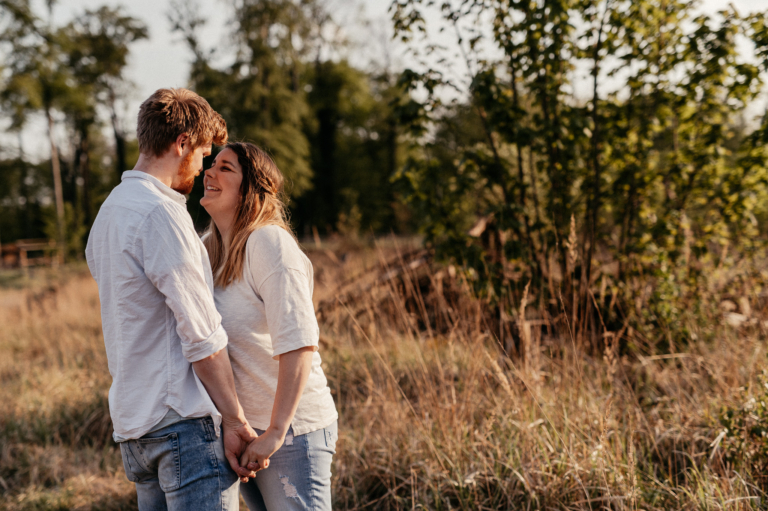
164,60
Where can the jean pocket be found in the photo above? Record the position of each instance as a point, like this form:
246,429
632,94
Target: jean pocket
153,459
128,466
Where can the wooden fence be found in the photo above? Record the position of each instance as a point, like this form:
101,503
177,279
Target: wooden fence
26,253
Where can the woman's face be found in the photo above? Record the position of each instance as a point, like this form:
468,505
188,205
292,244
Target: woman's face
222,185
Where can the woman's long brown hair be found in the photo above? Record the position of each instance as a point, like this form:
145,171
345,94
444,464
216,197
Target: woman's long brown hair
261,203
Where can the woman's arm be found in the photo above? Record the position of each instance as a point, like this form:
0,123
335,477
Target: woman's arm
292,377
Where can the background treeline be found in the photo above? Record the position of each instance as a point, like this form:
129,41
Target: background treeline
69,75
329,125
582,146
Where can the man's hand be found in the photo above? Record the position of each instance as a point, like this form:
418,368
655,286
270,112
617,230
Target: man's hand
256,455
215,372
237,435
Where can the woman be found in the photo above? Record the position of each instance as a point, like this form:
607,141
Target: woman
263,290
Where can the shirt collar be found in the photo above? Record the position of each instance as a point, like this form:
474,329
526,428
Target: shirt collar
165,190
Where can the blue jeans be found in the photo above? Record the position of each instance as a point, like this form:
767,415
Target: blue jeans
181,466
299,474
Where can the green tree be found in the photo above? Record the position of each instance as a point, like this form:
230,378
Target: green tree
66,72
97,46
37,79
260,93
655,165
354,150
329,126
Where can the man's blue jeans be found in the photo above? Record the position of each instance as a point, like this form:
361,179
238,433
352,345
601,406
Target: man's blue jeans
181,466
299,474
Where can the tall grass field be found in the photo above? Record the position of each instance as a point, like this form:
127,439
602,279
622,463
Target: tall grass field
438,410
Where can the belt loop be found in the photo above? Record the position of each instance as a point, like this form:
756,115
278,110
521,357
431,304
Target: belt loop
208,425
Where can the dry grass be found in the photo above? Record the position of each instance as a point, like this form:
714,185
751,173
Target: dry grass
435,418
56,450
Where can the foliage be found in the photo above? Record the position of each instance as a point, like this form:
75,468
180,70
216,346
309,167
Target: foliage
354,145
745,434
67,72
260,93
327,124
76,231
658,164
97,46
25,194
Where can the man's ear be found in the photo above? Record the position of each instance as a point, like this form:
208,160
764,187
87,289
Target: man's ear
182,141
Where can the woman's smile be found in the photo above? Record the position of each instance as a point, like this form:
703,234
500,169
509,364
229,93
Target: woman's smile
222,184
210,187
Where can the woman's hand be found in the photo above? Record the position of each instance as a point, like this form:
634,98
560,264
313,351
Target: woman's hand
256,455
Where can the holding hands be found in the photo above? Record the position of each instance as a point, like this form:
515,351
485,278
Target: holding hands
256,455
237,435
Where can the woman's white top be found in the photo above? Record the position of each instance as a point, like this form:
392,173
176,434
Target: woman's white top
269,312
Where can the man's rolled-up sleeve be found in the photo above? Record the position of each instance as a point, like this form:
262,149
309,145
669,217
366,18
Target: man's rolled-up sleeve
194,351
172,263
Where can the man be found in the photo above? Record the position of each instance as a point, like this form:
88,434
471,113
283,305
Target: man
172,384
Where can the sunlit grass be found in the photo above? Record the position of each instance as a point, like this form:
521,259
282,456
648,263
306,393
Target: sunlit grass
441,421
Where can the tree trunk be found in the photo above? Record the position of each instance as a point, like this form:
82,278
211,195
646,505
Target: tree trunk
326,199
57,189
24,189
120,163
593,211
558,199
521,178
84,162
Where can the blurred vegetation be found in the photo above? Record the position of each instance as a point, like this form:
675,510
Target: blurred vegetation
631,188
66,74
330,127
605,206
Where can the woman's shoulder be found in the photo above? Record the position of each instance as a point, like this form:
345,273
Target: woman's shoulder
271,237
273,248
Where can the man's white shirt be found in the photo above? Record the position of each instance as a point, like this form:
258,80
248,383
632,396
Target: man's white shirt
157,308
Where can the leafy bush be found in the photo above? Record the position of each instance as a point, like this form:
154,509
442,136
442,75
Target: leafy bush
745,437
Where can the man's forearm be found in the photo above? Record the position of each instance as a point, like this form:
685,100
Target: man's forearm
216,374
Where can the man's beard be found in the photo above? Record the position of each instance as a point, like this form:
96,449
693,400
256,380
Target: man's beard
187,176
